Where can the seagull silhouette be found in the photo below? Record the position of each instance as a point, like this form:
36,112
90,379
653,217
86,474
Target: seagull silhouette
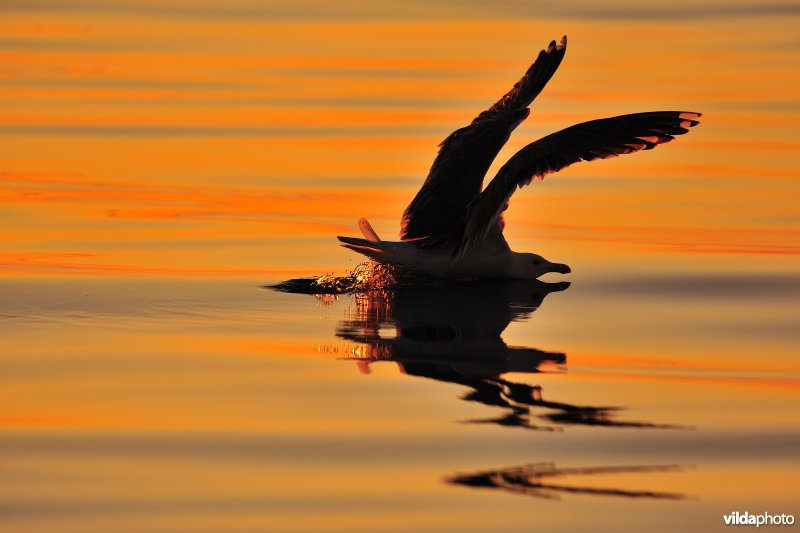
454,229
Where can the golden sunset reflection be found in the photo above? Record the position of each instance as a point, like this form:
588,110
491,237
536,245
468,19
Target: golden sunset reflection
162,162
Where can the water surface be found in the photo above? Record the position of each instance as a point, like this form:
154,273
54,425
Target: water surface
161,162
220,405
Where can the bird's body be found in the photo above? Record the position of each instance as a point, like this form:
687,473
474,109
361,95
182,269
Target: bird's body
490,258
453,227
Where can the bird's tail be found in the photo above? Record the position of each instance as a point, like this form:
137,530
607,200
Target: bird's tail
374,250
371,245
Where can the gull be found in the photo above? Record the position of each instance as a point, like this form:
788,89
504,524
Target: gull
454,227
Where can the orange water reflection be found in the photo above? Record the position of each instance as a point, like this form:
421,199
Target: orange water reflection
130,397
142,143
140,134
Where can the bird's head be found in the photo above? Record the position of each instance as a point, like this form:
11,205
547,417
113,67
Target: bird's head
530,266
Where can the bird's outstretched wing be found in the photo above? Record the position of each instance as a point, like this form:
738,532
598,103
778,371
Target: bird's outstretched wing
597,139
456,176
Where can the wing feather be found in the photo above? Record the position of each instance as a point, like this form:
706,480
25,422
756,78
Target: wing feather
597,139
456,176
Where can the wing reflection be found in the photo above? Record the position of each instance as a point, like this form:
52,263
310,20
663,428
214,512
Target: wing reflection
452,333
535,480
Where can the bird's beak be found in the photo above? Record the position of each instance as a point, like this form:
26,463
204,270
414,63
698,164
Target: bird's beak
560,268
546,287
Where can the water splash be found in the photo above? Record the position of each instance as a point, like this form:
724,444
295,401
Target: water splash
365,277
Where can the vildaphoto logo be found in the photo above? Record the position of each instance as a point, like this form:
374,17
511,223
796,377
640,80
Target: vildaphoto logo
764,519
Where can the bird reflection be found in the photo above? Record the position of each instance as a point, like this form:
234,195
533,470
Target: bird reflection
452,333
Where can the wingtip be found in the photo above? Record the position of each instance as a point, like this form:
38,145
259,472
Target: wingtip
556,47
689,119
367,231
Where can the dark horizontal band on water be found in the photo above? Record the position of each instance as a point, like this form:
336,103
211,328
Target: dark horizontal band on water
207,131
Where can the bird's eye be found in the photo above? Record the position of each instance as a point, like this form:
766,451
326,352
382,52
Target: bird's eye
536,262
